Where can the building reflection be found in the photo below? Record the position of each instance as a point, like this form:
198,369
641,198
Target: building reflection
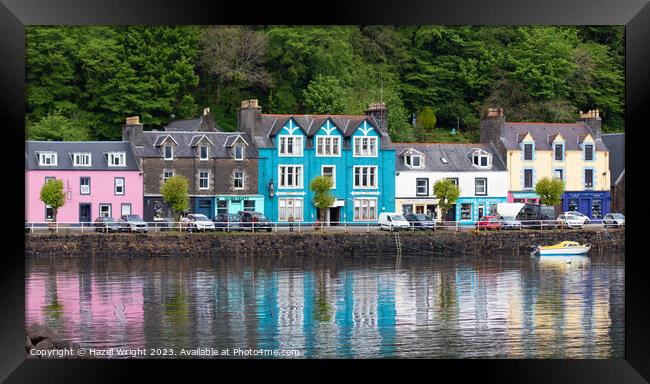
438,307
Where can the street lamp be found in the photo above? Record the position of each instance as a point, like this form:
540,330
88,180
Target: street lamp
271,189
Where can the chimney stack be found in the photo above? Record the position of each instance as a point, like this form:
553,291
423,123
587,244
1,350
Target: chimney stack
491,125
207,122
248,117
132,130
593,121
380,113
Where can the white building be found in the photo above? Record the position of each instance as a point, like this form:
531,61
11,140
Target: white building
476,168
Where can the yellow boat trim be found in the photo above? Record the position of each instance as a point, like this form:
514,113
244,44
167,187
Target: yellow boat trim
562,244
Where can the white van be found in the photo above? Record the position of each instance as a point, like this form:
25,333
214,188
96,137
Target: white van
392,221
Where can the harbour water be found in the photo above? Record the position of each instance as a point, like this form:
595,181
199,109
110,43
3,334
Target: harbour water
490,306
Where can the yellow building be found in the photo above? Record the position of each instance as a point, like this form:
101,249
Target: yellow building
572,152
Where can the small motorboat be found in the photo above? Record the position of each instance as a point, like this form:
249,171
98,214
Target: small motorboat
563,248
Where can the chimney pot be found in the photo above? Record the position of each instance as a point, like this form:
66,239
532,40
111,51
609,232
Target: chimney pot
133,120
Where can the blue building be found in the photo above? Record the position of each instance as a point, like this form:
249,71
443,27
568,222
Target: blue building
355,151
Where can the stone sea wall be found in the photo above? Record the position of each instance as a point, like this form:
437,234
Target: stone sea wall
310,244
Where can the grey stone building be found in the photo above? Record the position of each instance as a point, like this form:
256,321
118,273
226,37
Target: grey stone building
221,167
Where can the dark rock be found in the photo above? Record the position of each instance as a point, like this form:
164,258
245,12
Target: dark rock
28,343
44,344
38,332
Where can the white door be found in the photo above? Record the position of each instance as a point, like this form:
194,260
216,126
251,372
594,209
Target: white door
126,209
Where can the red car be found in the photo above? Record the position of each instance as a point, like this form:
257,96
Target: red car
489,222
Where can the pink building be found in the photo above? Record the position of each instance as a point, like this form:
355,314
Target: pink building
101,178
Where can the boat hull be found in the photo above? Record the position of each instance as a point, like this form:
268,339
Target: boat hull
574,251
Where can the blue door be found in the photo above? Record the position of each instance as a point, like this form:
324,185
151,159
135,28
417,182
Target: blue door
204,206
584,207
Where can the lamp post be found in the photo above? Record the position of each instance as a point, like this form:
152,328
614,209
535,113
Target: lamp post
271,189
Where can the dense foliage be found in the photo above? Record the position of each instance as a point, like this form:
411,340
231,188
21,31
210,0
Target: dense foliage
175,193
52,194
323,198
447,192
83,81
549,190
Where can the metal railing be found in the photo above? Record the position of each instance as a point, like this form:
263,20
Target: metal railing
299,226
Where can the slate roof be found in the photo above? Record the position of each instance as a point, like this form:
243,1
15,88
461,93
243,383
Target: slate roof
64,150
513,133
616,144
271,124
186,140
184,125
455,153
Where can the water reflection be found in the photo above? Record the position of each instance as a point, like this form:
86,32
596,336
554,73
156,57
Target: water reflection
514,307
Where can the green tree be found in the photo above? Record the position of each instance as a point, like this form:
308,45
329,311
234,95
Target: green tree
175,193
426,118
447,192
325,95
52,194
323,198
549,190
58,128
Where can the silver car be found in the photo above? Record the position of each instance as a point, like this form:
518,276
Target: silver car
509,222
579,215
614,220
133,223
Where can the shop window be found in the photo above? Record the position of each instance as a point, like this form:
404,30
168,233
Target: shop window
431,211
249,205
597,209
573,205
222,207
407,208
466,211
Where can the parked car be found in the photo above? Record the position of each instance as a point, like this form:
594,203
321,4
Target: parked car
133,223
106,224
489,222
614,220
570,220
509,222
198,222
585,219
227,222
420,221
255,221
392,221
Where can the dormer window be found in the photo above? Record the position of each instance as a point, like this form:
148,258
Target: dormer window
81,159
168,150
589,152
116,159
413,161
291,145
528,151
558,150
47,159
203,152
481,159
239,152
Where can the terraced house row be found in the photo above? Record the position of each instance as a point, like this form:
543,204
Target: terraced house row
267,164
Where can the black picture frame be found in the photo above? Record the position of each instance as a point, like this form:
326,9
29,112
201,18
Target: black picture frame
15,14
